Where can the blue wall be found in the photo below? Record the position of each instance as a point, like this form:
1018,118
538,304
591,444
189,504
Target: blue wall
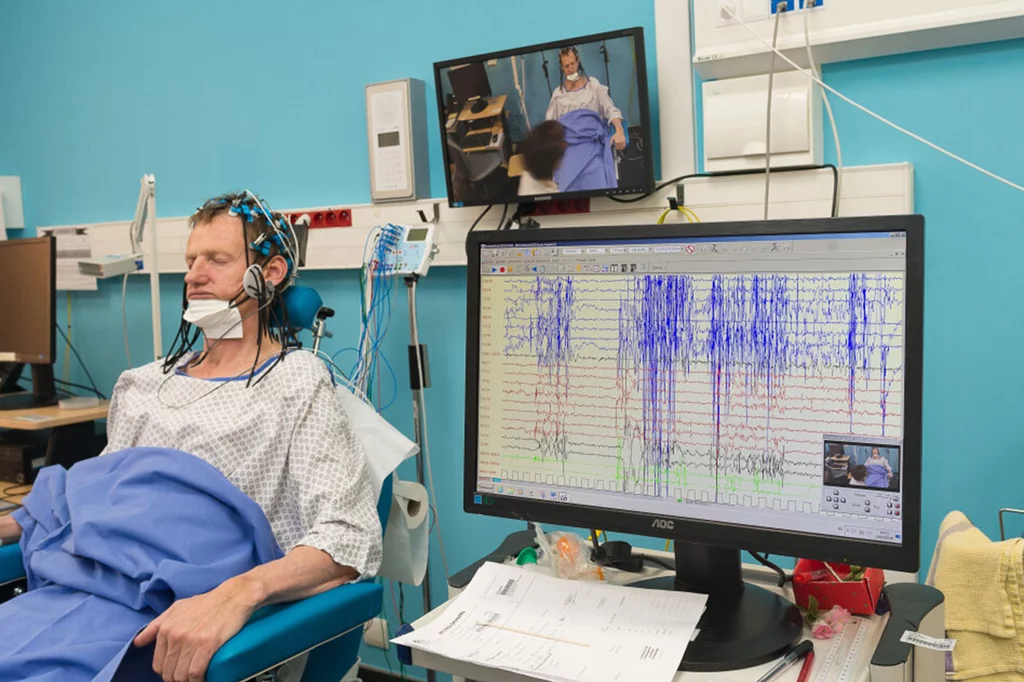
201,95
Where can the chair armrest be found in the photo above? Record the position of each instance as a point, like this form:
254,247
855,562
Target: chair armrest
11,565
279,632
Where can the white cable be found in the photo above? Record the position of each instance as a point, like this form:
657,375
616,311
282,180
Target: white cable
779,11
124,318
732,15
809,4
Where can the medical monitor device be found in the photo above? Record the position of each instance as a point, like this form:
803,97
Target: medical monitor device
731,386
559,120
28,314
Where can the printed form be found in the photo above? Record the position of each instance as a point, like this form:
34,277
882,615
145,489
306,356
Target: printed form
563,630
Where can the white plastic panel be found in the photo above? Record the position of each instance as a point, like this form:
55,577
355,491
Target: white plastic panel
867,190
14,215
842,30
734,122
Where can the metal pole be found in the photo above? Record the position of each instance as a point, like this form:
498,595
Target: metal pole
416,380
154,273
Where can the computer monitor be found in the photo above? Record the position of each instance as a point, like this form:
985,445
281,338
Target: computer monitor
723,385
560,120
469,82
28,315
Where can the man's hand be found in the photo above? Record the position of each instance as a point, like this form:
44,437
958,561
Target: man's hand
619,139
189,633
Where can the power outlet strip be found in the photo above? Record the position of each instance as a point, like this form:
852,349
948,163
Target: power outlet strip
375,634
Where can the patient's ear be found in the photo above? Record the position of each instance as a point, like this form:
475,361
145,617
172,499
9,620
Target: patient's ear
275,270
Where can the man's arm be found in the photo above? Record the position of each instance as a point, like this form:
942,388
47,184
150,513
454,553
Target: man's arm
189,633
9,530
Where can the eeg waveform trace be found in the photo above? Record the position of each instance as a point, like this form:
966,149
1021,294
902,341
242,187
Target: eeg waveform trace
692,388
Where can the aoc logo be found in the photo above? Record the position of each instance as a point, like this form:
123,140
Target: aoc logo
663,524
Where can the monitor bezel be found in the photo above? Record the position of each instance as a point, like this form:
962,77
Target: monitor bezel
643,96
903,557
28,243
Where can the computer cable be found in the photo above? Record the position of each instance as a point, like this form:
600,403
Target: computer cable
780,9
79,357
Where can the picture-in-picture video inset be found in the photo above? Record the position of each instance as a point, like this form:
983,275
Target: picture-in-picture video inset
867,465
560,120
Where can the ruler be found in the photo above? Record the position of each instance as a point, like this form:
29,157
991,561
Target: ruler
846,655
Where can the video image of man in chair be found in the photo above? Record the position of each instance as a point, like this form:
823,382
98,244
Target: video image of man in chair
862,465
544,123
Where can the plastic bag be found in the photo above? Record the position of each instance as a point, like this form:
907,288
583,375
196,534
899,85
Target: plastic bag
565,555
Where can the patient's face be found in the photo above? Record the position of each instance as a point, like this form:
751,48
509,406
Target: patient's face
215,257
570,64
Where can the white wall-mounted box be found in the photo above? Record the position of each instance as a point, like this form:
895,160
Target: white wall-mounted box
735,112
844,30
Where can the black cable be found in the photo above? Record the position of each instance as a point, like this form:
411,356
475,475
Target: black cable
763,560
664,563
504,212
79,357
481,217
80,387
754,171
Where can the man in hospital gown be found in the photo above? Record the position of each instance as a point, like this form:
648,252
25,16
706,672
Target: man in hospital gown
266,418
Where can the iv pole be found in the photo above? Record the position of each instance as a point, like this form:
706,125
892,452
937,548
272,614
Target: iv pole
419,379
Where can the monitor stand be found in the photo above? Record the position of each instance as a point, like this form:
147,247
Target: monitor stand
744,625
44,392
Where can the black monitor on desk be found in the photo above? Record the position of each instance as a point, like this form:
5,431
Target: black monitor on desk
468,82
28,315
708,384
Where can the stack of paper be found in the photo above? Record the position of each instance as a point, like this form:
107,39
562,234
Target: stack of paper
563,630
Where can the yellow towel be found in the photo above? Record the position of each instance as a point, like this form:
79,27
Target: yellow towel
983,583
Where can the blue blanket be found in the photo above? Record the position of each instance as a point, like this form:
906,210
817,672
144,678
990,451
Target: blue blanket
878,476
588,162
108,546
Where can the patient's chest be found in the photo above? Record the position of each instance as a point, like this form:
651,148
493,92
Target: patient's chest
241,431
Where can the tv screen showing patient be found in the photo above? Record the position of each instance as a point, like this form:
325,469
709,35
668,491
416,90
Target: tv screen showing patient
559,120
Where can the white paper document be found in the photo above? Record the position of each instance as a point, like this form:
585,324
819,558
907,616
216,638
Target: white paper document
73,244
563,630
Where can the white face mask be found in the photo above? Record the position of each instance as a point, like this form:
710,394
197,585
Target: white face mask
573,77
218,319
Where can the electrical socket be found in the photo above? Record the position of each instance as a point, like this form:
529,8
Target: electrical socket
324,217
375,634
788,5
812,4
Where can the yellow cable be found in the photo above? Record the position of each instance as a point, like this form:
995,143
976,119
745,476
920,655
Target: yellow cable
687,213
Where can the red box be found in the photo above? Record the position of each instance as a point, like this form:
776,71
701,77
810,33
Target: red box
811,578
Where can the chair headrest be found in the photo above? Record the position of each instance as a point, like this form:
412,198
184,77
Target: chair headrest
302,304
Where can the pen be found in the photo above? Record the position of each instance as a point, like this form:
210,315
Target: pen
805,671
531,634
795,654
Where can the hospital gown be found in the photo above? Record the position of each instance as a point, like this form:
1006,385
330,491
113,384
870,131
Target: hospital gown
285,442
593,96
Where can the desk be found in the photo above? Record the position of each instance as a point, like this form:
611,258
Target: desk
70,431
51,417
495,107
761,576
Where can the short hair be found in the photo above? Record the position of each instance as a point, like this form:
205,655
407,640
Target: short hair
224,203
543,149
859,472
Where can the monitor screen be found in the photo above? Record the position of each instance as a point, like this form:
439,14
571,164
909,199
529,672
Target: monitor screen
754,385
27,266
559,120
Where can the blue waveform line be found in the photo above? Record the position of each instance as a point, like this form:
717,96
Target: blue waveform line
763,328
